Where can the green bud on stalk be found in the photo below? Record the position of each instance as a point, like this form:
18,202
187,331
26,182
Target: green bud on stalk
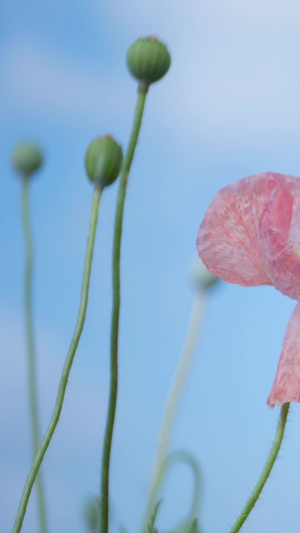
202,278
148,60
103,161
27,158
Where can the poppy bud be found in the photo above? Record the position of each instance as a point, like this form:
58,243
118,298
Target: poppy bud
148,60
202,278
103,160
27,158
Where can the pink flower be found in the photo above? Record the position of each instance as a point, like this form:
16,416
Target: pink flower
250,235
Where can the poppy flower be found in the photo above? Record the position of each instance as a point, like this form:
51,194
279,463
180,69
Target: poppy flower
250,235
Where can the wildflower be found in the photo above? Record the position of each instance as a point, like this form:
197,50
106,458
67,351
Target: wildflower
250,235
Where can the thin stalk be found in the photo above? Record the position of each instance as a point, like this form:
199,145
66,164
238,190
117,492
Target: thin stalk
104,508
67,366
266,471
31,356
168,461
177,387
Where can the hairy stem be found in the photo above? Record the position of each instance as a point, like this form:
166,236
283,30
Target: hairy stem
266,470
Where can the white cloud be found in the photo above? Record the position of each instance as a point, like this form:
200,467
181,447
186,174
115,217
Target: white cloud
273,16
233,76
46,83
251,105
224,85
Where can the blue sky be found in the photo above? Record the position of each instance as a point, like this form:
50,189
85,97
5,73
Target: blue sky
228,108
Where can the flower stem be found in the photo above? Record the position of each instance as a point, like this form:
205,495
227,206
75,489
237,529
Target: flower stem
67,366
266,471
177,386
166,463
104,509
31,357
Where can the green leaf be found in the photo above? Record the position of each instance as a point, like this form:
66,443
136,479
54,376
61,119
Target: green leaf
194,527
92,515
151,523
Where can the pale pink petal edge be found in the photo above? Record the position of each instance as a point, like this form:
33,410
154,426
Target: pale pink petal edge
286,386
227,240
279,221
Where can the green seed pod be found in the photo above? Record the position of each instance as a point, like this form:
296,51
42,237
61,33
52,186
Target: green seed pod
148,60
103,160
27,158
202,278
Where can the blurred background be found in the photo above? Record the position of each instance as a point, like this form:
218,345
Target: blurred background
228,108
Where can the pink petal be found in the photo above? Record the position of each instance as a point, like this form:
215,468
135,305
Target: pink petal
286,387
279,234
228,236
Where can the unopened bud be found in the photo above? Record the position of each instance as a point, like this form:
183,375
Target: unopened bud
202,278
148,60
27,158
103,161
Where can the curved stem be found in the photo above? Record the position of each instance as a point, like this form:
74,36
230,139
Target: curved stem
177,386
31,357
168,461
104,509
67,366
266,471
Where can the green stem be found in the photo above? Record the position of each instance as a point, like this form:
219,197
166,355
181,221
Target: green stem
31,357
266,471
67,366
104,509
180,378
167,462
177,387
